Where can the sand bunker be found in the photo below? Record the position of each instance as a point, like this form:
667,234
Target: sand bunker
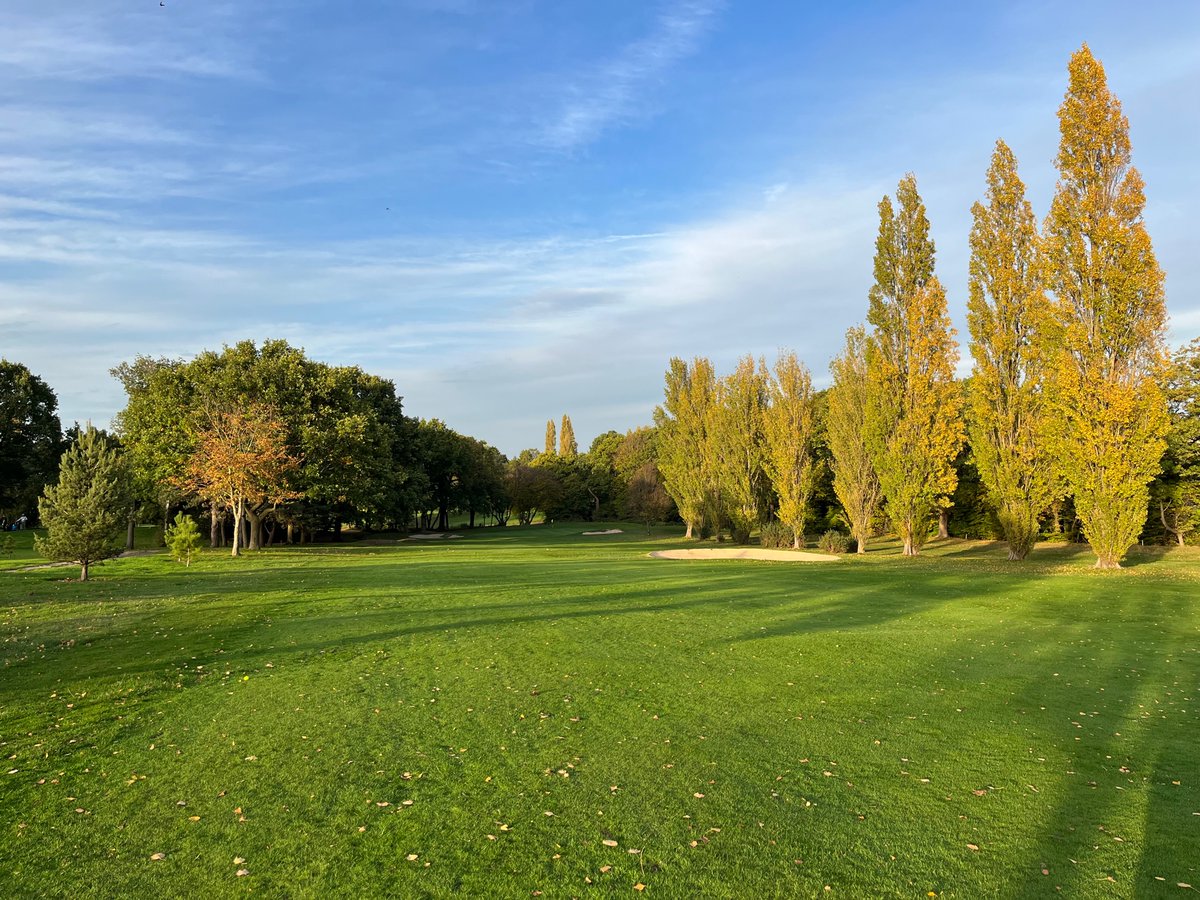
610,531
437,536
744,553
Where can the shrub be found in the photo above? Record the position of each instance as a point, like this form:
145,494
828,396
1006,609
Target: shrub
775,536
833,542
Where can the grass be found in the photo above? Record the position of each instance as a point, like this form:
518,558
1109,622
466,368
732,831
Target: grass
480,716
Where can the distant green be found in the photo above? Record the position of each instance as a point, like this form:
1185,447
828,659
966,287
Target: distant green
750,729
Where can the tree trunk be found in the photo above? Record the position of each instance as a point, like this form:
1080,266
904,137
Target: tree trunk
130,533
237,529
166,524
1107,562
83,570
471,524
291,534
255,530
1056,509
688,534
215,529
943,523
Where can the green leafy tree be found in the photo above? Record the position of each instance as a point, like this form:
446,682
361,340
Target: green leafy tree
789,433
647,500
1006,392
913,421
31,440
183,539
855,481
85,512
1108,418
551,439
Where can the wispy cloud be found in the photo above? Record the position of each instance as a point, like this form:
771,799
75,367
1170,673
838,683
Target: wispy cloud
609,94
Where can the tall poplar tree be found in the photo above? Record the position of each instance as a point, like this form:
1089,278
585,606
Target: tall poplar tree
1108,417
568,448
684,447
913,424
736,427
551,438
1006,389
855,481
789,431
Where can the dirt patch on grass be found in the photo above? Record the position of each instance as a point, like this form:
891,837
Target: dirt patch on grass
744,553
609,531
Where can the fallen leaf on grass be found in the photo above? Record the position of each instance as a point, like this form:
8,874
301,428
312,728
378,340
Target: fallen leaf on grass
974,847
604,870
237,860
639,887
158,856
608,842
698,795
979,793
412,857
193,818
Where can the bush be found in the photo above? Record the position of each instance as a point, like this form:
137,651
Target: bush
775,536
833,542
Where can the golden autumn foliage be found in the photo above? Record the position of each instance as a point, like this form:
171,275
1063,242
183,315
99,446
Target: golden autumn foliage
1005,411
854,479
789,430
1104,334
241,460
684,450
913,423
735,426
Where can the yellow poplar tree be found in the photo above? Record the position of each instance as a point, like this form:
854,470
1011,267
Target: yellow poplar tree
684,458
736,432
788,433
567,446
1005,408
1108,417
854,479
551,439
913,422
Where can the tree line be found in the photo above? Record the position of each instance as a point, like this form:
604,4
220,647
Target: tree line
1073,397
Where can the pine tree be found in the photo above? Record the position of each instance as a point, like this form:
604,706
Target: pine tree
85,513
551,439
1108,417
567,446
684,448
913,425
1006,389
183,539
789,431
855,481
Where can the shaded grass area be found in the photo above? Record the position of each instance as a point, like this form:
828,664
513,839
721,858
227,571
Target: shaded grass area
480,716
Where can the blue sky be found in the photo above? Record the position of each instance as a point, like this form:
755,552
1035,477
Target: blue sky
520,209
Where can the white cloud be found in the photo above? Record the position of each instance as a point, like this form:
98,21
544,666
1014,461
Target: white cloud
610,92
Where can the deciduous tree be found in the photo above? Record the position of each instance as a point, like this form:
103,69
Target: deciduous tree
551,439
685,457
855,481
31,440
1108,417
913,424
568,448
242,459
788,436
1006,390
735,426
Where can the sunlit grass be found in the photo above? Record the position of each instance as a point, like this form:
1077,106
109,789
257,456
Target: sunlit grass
500,706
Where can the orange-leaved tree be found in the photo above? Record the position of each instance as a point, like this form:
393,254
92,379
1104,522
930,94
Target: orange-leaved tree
242,459
1106,322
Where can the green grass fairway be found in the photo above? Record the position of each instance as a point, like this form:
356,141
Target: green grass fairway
533,712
